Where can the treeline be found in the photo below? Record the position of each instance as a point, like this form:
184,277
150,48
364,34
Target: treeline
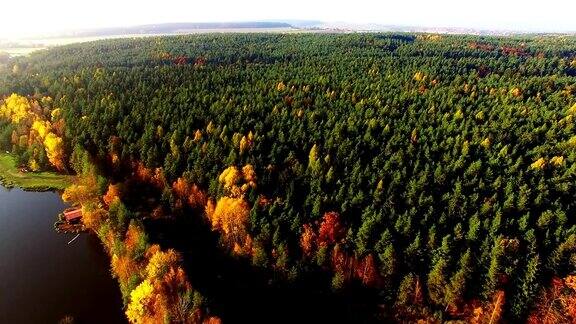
438,169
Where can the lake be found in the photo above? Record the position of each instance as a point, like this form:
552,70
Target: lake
42,277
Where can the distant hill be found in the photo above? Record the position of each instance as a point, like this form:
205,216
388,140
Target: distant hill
177,28
296,23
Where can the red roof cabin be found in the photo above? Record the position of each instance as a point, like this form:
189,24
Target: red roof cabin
73,215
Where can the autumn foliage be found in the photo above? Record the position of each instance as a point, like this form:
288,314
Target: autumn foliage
236,182
188,193
36,127
112,194
491,312
54,146
308,240
159,297
93,215
230,216
16,108
83,190
163,292
557,303
152,281
329,235
331,231
350,267
155,177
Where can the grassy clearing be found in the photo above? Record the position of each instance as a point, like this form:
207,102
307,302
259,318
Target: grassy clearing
10,176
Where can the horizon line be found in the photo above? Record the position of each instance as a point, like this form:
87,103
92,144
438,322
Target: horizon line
320,24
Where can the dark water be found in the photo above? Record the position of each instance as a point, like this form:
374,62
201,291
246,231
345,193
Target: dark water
42,278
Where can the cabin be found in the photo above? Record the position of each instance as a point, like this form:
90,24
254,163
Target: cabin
73,215
69,221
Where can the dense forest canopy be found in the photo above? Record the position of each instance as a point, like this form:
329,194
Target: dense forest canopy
438,169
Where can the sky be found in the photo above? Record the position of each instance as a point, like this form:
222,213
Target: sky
35,17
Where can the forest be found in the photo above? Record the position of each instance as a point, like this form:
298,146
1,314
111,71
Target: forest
437,171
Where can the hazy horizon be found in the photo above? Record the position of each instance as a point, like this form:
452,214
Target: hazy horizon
48,17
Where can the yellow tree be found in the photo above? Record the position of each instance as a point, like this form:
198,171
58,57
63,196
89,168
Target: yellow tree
230,177
538,164
55,150
41,127
141,303
230,217
34,166
77,193
161,262
15,108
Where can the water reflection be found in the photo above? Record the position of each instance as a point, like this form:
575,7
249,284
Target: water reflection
42,277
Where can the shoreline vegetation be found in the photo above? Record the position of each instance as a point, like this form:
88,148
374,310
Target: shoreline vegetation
153,284
11,176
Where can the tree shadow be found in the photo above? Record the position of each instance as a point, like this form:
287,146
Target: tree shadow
237,292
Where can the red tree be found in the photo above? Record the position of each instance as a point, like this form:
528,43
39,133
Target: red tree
331,231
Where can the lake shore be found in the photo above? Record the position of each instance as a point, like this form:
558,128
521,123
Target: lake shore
11,176
47,279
